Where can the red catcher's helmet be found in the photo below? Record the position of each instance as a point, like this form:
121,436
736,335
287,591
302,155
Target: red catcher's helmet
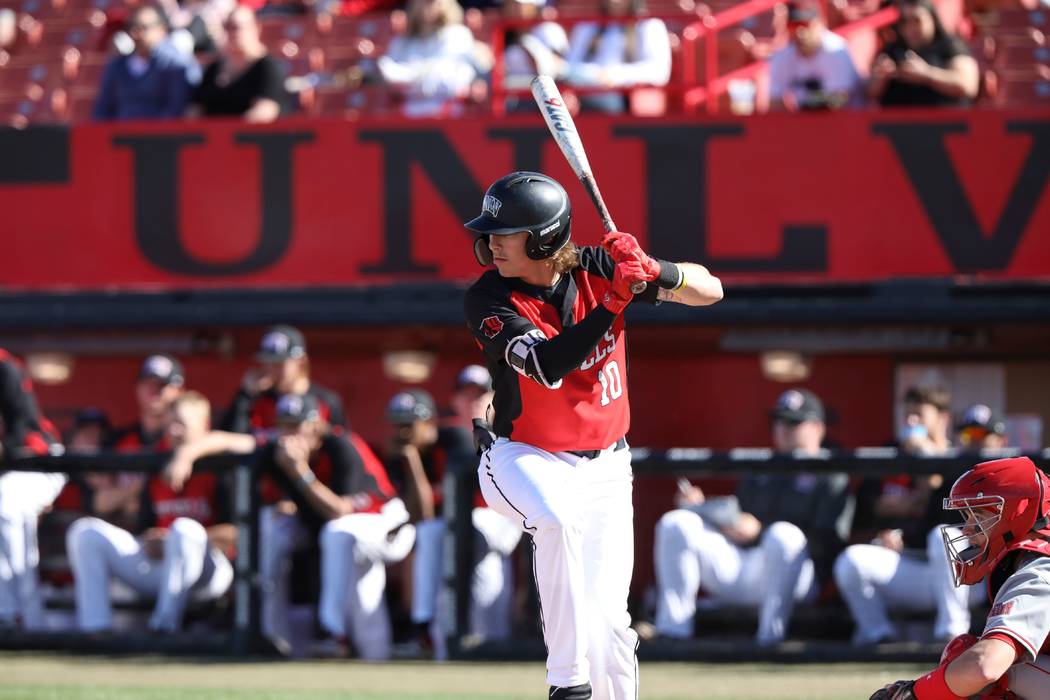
1005,500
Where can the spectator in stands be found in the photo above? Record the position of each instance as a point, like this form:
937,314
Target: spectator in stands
530,51
284,368
433,62
154,81
335,492
926,66
626,50
815,70
245,80
197,24
470,398
23,495
981,429
420,455
905,566
762,547
179,553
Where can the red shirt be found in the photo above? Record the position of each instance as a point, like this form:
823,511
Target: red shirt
201,499
591,409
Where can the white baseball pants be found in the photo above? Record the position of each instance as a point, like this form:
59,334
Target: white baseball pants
495,539
190,567
355,550
874,580
580,515
772,576
23,497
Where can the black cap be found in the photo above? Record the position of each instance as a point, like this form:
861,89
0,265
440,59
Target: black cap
91,415
281,343
524,201
798,405
981,416
802,12
474,375
407,407
293,409
164,368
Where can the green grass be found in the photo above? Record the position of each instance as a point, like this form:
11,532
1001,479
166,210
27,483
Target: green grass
58,677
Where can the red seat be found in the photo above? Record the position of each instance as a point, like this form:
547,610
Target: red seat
1030,92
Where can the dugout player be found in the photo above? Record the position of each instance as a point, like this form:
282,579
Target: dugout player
768,547
23,495
421,454
284,368
335,492
179,553
549,319
1005,540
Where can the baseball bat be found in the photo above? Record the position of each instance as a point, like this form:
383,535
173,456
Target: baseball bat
563,129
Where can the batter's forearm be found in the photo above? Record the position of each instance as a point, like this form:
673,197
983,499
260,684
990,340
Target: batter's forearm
566,351
700,287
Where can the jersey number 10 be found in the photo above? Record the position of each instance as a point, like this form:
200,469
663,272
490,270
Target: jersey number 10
612,387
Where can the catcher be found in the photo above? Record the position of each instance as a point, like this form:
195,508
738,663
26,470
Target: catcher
1005,539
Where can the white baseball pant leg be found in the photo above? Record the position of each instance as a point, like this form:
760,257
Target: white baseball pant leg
874,580
426,568
580,515
355,550
492,586
1031,680
279,535
787,572
191,568
23,496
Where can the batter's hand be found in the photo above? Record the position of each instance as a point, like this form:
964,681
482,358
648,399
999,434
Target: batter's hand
901,690
627,275
623,247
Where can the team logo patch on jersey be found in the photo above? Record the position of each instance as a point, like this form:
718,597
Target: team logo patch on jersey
491,205
1001,609
491,326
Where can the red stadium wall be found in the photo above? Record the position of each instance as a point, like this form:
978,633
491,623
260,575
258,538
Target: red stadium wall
829,197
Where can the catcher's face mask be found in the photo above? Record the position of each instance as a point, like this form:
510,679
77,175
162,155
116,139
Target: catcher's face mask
969,552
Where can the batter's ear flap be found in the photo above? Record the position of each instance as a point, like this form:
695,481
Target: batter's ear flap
482,252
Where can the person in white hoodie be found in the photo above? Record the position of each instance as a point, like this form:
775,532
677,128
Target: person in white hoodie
618,54
539,49
434,61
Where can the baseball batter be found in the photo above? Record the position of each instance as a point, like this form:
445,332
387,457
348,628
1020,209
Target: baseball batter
549,318
1005,540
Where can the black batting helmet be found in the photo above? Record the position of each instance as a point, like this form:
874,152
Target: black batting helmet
523,201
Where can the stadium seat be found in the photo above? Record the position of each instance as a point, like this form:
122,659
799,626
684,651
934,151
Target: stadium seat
1024,92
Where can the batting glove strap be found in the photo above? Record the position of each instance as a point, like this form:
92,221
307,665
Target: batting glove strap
932,686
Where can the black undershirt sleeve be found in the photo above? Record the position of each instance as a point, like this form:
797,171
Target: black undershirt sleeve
566,351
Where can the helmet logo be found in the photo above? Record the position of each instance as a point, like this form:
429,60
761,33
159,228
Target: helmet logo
491,205
550,228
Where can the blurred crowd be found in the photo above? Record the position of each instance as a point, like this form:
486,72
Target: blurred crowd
202,58
134,551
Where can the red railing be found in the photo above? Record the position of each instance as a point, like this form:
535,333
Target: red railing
695,90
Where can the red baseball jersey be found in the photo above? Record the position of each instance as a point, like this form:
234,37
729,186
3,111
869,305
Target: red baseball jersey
589,410
202,498
22,425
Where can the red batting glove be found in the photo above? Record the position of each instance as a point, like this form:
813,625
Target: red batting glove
626,275
623,246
